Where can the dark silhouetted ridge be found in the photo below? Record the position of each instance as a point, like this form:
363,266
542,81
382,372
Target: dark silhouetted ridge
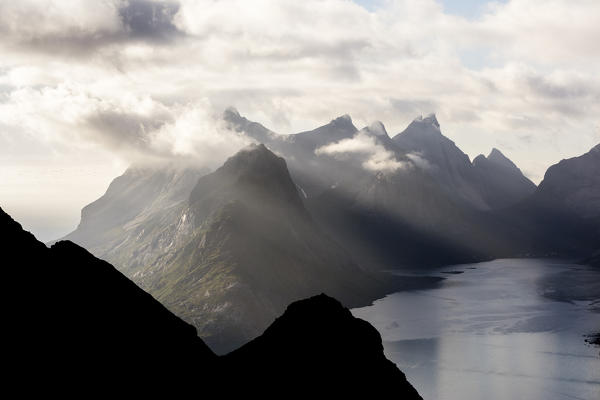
77,326
321,325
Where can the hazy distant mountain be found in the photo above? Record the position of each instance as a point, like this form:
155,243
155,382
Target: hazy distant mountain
78,325
487,183
500,182
402,219
574,184
311,172
141,194
237,252
562,217
450,166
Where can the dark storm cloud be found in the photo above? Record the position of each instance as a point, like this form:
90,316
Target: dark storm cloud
135,21
151,21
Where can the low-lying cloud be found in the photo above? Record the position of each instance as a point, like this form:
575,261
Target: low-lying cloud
135,129
375,157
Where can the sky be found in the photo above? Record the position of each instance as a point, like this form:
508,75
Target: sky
90,87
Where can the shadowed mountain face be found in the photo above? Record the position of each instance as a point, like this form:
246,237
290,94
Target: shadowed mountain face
562,217
237,252
84,326
574,184
487,183
500,182
426,212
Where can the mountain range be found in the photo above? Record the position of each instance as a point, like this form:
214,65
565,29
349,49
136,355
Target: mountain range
326,211
231,255
76,324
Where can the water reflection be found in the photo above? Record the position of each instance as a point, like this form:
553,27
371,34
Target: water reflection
496,332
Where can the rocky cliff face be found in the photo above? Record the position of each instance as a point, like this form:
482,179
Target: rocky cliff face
77,325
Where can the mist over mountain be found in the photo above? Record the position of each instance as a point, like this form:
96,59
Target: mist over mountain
84,325
228,250
487,183
232,256
411,200
142,193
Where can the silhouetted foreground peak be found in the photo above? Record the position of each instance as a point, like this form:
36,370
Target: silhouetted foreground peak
344,354
75,322
75,325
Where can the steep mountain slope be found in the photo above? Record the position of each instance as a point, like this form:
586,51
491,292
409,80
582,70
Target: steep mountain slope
141,194
487,183
500,181
243,247
562,217
450,166
404,219
574,184
83,327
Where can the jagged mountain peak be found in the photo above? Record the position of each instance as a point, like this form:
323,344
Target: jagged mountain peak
254,156
343,122
254,176
346,118
429,119
231,112
495,153
376,128
420,128
498,157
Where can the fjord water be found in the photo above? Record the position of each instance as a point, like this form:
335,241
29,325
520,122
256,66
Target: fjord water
505,329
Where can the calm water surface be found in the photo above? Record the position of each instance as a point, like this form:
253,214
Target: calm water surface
505,329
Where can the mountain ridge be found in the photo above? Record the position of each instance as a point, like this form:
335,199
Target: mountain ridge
92,328
237,251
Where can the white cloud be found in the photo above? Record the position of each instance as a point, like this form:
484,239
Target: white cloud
417,159
375,156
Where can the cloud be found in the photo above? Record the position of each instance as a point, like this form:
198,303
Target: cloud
114,80
80,27
375,157
136,129
417,159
